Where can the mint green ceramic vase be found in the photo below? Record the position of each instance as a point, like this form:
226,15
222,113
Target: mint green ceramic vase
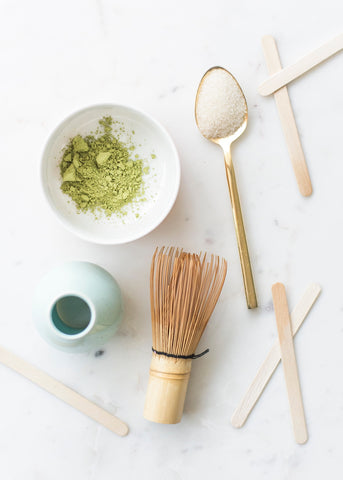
77,306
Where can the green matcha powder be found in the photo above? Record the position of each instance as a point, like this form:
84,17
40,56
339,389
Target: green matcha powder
99,174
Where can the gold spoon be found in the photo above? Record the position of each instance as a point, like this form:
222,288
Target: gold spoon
221,114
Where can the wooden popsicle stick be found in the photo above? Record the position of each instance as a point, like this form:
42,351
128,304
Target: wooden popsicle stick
273,358
288,124
63,392
289,362
303,65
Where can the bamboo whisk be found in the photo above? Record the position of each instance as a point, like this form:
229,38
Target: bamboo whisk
184,289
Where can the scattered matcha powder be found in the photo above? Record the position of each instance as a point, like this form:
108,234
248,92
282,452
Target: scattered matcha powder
98,173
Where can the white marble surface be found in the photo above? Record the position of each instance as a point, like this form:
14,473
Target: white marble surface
59,56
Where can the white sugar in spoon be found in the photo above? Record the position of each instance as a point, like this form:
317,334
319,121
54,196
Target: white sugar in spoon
221,113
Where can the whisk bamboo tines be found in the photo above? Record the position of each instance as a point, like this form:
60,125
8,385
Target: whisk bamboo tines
184,289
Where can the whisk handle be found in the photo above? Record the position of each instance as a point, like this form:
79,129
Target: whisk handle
168,381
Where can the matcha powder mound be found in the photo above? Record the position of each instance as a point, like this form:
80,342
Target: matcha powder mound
98,173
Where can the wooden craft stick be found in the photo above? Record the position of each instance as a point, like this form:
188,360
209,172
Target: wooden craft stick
306,63
273,358
63,392
289,362
288,124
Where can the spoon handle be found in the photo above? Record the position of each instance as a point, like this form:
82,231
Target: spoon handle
240,232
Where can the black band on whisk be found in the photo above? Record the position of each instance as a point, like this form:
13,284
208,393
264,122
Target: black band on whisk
186,357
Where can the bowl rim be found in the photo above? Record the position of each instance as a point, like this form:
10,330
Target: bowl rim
69,225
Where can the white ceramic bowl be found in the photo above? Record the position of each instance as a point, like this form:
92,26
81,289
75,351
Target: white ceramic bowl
161,183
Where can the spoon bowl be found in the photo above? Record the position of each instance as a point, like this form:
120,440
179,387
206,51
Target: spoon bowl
226,142
227,106
221,114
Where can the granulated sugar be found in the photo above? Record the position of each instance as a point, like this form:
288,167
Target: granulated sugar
221,106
